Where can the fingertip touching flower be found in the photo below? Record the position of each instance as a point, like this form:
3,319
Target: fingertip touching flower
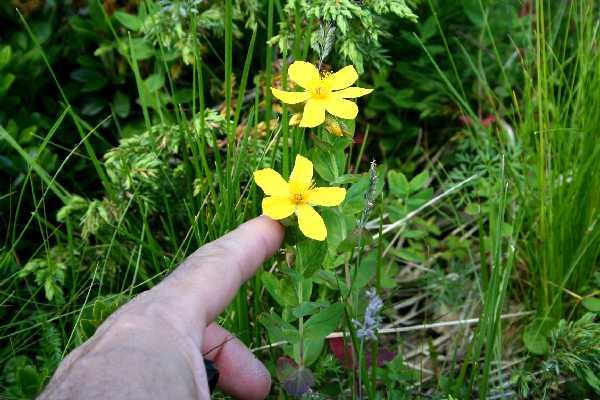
322,92
298,195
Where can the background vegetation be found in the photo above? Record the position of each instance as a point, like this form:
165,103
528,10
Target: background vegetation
129,132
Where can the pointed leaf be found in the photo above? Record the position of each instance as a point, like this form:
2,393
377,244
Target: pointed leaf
323,323
535,340
398,184
591,303
418,181
278,329
131,22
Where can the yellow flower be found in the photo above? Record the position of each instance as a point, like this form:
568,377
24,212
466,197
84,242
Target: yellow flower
328,92
298,195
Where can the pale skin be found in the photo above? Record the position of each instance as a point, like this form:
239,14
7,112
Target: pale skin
153,346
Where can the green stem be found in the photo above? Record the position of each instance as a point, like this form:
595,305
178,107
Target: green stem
301,319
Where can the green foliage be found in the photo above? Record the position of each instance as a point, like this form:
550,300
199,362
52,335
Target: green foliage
179,25
22,378
49,273
94,314
482,198
359,28
561,127
573,351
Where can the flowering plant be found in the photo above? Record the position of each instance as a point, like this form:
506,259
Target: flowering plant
322,92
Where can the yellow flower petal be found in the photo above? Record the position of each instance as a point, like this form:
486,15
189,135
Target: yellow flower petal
326,196
343,78
277,207
302,172
352,92
310,222
271,182
341,108
295,120
304,74
290,97
313,114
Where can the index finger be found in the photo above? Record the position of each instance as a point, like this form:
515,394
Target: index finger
208,280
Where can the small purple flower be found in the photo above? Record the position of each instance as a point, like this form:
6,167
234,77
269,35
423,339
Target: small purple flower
367,330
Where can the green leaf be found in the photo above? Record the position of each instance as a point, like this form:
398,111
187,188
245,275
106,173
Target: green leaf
89,61
103,49
97,14
323,323
307,308
312,350
281,292
326,164
94,85
93,106
29,381
411,255
27,135
140,49
337,224
94,314
5,56
12,367
592,379
310,255
398,184
473,209
52,290
403,98
328,279
154,82
366,271
131,22
472,10
278,329
42,30
592,304
535,341
93,79
418,181
121,104
5,83
347,178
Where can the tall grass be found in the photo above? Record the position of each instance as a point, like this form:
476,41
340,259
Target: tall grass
559,126
550,185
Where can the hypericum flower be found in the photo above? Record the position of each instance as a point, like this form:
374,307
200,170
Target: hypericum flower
298,195
328,92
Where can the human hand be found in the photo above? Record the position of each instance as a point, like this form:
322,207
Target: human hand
153,346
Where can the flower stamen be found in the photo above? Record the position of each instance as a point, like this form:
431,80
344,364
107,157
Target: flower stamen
298,198
320,92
